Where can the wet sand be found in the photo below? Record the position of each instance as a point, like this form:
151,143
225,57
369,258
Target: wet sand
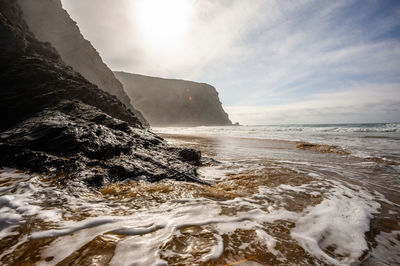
373,174
270,203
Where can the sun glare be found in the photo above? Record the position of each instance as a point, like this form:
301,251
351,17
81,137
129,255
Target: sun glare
162,22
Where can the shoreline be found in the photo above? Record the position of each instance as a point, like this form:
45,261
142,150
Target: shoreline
263,197
369,174
267,154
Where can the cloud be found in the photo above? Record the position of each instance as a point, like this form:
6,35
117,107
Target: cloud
314,51
267,54
371,103
114,29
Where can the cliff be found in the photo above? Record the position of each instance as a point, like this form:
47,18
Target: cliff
49,22
170,102
56,122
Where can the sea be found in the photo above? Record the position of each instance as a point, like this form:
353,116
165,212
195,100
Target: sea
278,195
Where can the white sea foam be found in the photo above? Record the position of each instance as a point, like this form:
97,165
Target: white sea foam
216,250
22,202
388,249
339,222
213,174
139,231
142,242
262,131
268,240
89,223
298,189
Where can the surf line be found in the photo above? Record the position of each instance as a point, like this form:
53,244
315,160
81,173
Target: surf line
240,261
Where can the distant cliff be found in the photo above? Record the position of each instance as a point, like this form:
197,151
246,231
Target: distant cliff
49,22
56,122
170,102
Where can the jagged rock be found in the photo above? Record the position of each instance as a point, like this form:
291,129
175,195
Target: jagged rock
55,121
80,139
321,148
170,102
191,155
49,22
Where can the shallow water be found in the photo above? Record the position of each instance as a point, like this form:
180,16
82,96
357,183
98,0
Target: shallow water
363,140
270,204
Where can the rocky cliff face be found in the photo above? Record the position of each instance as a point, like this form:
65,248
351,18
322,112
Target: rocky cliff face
49,22
169,102
56,122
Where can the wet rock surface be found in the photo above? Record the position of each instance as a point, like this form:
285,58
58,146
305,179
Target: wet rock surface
191,155
82,141
321,148
54,121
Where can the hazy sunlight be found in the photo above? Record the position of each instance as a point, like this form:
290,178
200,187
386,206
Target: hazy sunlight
162,23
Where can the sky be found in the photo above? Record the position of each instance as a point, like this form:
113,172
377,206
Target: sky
272,61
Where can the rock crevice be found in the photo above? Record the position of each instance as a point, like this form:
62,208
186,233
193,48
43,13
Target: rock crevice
56,122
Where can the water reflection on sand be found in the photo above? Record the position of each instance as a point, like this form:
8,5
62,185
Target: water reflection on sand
270,203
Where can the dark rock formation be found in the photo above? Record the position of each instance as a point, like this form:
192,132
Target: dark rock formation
191,155
79,139
170,102
321,148
49,22
53,120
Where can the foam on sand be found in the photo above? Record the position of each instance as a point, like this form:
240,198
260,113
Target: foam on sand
329,229
216,250
335,229
20,200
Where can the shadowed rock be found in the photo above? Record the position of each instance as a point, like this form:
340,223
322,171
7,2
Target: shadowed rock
81,140
191,155
49,22
55,121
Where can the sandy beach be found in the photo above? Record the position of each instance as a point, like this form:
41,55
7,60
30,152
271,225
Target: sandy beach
269,202
305,179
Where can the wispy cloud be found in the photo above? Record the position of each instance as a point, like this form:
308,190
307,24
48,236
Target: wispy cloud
370,103
272,55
